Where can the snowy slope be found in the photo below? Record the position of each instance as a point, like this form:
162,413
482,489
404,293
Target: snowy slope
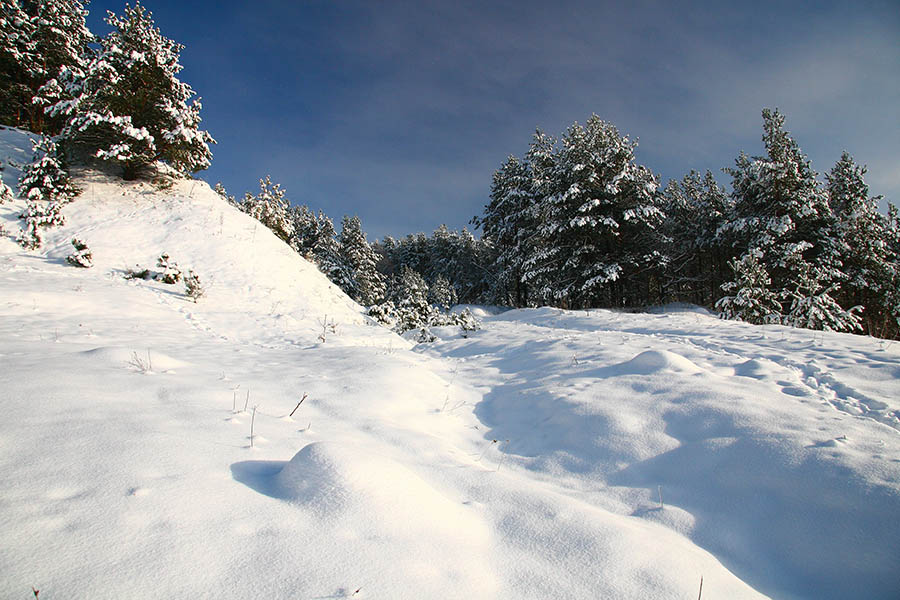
128,468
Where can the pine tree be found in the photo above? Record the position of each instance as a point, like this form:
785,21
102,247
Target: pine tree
46,177
326,252
779,207
270,208
367,285
409,295
696,208
600,213
223,193
38,41
505,221
865,251
442,293
751,301
129,108
62,45
812,305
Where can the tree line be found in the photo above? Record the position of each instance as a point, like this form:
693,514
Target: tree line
575,222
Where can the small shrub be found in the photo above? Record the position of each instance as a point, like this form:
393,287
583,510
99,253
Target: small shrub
138,274
82,257
170,274
193,288
30,238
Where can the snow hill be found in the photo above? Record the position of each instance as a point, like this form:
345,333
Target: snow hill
552,454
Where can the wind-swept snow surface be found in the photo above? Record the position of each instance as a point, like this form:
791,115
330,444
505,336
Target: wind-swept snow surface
147,447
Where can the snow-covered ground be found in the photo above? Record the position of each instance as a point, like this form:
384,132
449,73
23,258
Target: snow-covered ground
552,454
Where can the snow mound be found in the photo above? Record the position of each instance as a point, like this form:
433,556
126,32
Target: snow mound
386,509
119,355
332,478
757,368
653,361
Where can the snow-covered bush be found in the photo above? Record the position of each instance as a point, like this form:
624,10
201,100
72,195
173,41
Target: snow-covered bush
170,274
385,313
30,238
6,194
82,257
425,336
193,288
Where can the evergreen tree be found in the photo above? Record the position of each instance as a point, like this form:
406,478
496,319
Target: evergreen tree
696,208
367,285
270,208
326,252
129,108
780,209
409,296
866,254
442,293
46,178
782,216
751,301
18,63
38,40
61,40
223,193
812,305
505,224
599,219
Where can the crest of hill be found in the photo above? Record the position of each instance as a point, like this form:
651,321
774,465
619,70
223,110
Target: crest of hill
245,269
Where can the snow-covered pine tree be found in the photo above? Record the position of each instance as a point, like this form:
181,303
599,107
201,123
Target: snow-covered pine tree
62,44
442,293
129,108
812,305
409,295
751,300
18,64
270,208
540,259
193,288
780,212
504,224
697,261
170,274
223,193
367,286
46,178
38,40
305,231
326,252
600,214
866,255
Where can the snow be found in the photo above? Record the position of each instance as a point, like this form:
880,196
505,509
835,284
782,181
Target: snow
551,454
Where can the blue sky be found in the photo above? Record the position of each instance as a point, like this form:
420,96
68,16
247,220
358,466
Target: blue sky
399,112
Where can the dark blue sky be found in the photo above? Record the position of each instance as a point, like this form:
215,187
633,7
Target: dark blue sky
401,111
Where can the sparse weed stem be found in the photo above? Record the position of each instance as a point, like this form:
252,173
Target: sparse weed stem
138,362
